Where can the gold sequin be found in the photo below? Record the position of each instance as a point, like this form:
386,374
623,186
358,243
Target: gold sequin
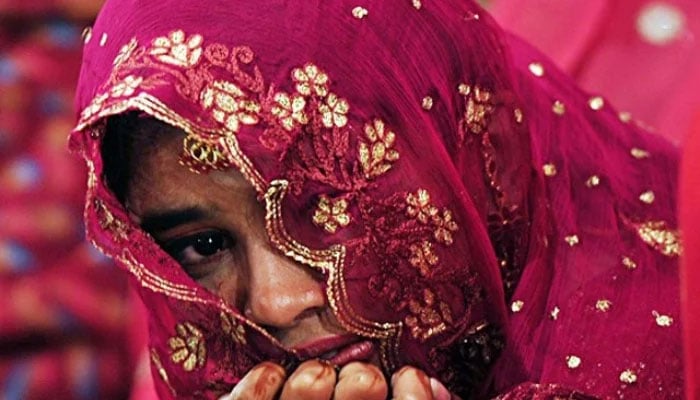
427,103
536,69
517,306
103,40
518,113
572,240
596,103
647,197
554,314
628,376
603,305
559,108
549,170
657,235
417,4
639,153
593,181
86,34
463,89
625,116
629,263
663,321
573,362
359,12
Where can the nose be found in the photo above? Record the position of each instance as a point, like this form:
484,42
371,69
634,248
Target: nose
281,293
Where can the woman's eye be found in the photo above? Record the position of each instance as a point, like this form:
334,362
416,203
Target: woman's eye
198,248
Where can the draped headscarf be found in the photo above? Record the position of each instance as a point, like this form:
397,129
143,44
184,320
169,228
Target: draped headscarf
470,209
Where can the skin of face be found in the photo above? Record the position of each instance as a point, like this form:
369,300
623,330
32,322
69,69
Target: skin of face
214,226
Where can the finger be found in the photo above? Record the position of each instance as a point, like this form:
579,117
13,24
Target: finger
361,381
440,392
312,380
260,383
410,383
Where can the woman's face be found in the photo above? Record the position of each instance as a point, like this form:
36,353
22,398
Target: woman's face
214,227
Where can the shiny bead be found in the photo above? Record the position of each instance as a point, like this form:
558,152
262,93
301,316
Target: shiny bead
639,153
517,306
536,69
593,181
647,197
596,103
549,170
628,376
559,108
427,103
103,40
572,240
359,12
663,321
573,362
603,305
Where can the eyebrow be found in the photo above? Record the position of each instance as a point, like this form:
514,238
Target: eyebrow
163,221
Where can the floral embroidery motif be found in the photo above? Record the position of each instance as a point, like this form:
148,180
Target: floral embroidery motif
188,347
109,222
419,206
127,87
229,105
176,49
310,79
233,328
333,111
290,110
331,214
664,240
377,155
423,257
428,316
478,107
125,52
444,226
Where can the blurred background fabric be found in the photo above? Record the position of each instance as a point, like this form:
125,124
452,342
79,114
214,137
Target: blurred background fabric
69,326
643,55
66,316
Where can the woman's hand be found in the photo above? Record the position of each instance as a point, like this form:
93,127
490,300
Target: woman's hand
315,380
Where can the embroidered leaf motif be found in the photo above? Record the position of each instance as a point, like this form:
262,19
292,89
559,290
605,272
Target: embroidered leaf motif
376,155
232,327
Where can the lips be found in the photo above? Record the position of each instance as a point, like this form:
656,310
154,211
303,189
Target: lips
338,350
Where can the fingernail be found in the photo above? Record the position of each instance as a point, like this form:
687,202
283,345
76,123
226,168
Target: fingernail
440,392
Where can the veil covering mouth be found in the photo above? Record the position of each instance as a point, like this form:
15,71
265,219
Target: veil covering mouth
470,209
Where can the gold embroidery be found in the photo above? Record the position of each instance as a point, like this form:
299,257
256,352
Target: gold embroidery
310,79
331,214
427,103
663,321
86,34
625,116
596,103
377,155
573,362
444,227
359,12
417,4
657,235
603,305
177,49
232,327
109,222
517,306
628,376
202,155
536,69
518,113
103,40
639,153
572,240
559,108
229,105
629,263
188,347
289,110
549,170
419,206
423,257
428,317
125,52
333,111
478,107
155,359
126,87
593,181
647,197
554,315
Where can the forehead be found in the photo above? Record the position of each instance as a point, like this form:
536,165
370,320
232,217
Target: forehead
160,181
